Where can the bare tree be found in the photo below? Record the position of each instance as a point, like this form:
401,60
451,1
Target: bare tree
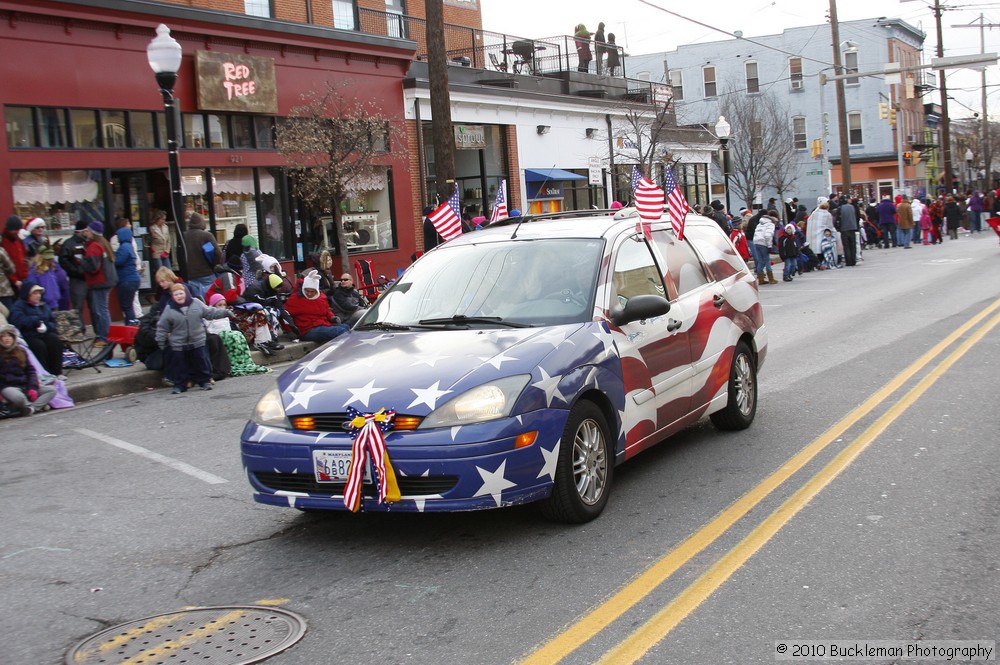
761,143
640,133
333,143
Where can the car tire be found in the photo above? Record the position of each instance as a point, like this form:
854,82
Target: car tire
742,404
584,470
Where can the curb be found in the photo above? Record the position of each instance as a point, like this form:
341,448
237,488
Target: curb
114,382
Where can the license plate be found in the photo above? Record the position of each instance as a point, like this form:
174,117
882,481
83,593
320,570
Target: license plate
332,466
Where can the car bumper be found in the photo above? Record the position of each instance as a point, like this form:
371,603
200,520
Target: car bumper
472,467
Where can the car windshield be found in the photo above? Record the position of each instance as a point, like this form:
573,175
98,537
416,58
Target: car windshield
510,283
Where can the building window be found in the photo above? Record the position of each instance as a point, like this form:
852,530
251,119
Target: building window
53,126
756,136
854,136
143,129
218,131
799,133
258,8
395,11
115,129
708,77
643,76
84,124
194,130
851,67
343,15
677,84
753,82
20,122
795,73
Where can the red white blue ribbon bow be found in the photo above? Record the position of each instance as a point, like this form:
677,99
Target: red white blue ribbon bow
369,445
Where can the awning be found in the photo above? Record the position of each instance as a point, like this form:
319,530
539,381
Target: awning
51,187
540,175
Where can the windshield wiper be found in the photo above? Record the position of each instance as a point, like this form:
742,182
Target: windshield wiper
462,319
382,325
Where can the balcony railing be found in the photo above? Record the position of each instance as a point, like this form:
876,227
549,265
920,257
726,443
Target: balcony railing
496,51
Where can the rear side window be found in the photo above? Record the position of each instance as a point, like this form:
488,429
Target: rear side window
683,265
635,272
718,251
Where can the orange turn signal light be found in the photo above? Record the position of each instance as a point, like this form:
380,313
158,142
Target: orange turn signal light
525,440
304,422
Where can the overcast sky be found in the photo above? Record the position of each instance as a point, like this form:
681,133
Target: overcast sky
643,29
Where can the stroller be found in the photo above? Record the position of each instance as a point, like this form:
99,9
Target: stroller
873,235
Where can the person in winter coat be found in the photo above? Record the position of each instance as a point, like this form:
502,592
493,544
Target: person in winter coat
7,270
71,255
581,38
15,249
952,217
248,261
819,221
887,221
202,256
181,334
849,230
788,250
976,208
47,273
34,319
311,312
763,238
904,223
99,280
925,224
739,239
19,386
347,300
937,220
716,213
160,242
128,276
36,238
234,248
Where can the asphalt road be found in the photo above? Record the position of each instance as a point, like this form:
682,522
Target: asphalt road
861,505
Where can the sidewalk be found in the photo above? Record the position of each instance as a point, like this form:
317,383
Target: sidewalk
85,385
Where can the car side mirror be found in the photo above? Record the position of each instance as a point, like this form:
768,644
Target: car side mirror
640,307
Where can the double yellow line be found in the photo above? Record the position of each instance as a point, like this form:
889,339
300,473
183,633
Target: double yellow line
659,626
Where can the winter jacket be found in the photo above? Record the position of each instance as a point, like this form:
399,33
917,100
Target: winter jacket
56,286
848,217
195,238
976,203
787,247
26,317
71,255
125,258
17,253
93,261
348,300
886,212
308,314
904,214
7,271
180,326
16,370
764,233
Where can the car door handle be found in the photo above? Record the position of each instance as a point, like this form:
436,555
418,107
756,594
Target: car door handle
718,300
673,325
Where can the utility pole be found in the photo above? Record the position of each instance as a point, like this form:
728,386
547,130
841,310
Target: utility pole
441,128
845,154
945,119
985,152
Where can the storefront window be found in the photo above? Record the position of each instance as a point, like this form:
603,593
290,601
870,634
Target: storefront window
84,128
115,131
264,128
234,202
242,131
218,132
272,198
62,198
143,129
366,215
194,130
53,128
195,189
20,127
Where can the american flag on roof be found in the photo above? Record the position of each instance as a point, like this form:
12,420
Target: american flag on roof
636,177
677,205
446,218
649,203
500,205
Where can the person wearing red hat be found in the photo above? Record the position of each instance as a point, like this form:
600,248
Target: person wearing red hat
15,249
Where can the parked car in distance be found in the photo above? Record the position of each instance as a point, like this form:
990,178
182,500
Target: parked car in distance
520,363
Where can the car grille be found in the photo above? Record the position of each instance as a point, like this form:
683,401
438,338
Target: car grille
301,482
334,422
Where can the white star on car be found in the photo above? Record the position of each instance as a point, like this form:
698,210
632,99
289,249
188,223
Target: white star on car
500,359
428,395
363,394
493,482
302,396
551,457
549,384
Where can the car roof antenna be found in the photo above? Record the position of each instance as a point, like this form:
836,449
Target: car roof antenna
521,221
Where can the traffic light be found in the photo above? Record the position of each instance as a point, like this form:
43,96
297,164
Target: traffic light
883,110
892,116
908,157
914,157
817,148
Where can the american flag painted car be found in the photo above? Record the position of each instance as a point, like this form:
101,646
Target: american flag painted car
515,364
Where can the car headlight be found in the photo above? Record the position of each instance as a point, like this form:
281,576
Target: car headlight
270,411
488,401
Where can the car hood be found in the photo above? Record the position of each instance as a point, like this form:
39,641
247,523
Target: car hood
416,372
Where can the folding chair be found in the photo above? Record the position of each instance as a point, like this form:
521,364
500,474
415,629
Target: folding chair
499,65
366,282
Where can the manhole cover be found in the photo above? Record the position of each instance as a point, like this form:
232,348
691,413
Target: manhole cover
211,635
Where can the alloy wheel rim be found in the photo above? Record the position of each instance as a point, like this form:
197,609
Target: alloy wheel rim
744,384
590,462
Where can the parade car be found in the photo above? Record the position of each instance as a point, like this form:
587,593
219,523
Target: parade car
520,363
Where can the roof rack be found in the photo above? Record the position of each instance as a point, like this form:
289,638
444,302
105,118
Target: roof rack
567,214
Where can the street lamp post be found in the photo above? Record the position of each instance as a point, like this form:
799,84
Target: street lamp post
164,55
722,130
968,167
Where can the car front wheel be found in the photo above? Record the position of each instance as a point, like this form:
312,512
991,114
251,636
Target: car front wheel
584,469
742,405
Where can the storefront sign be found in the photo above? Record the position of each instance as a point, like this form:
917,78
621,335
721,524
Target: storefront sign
470,137
234,82
548,190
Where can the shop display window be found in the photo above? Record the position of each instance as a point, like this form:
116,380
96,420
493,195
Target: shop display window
366,215
61,198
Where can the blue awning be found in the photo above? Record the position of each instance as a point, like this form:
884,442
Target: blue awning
539,175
